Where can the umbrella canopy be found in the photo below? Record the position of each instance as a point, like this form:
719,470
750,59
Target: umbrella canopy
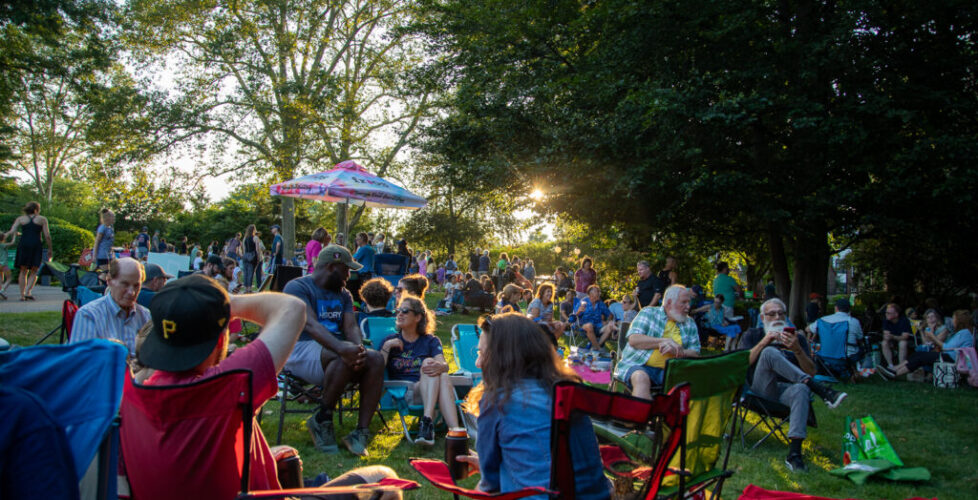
350,183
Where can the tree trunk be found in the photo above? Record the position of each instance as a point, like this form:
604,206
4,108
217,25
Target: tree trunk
341,209
288,228
810,271
779,262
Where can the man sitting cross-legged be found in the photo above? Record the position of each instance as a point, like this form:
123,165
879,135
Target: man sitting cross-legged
330,350
782,370
188,343
657,334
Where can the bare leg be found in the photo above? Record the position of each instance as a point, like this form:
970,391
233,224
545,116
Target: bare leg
446,400
589,331
336,376
606,332
887,350
641,385
31,280
429,394
22,281
371,387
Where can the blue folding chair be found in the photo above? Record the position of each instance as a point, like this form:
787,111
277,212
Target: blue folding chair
375,330
460,329
832,359
86,295
80,386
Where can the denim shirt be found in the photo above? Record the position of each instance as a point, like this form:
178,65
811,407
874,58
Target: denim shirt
514,445
961,339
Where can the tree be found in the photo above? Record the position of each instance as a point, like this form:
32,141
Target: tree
288,86
783,122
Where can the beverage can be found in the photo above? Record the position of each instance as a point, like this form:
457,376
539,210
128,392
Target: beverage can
456,443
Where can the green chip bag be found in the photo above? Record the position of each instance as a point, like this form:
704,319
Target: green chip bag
864,439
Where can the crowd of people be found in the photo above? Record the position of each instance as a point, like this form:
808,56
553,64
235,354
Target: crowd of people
180,331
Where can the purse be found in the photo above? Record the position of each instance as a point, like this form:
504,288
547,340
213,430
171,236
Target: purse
945,375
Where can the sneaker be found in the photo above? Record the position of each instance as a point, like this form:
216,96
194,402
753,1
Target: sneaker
831,396
885,372
795,463
323,436
426,434
356,442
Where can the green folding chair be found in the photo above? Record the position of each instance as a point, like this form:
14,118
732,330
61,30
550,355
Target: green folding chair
715,382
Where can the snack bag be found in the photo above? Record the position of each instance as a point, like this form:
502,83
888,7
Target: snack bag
864,439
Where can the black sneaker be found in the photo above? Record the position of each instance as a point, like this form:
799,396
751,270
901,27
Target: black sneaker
426,434
322,435
795,463
831,396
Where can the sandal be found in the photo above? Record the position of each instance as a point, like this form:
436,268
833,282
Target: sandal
3,296
29,297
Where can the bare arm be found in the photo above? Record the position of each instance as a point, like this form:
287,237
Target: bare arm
646,342
351,329
47,237
282,317
13,229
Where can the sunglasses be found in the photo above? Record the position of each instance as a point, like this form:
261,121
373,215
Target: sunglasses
405,310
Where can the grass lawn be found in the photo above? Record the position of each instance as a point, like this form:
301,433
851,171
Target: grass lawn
928,427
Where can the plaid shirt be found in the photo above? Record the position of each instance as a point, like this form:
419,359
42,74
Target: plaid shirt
651,321
102,318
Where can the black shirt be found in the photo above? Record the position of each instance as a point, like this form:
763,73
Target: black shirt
664,278
647,289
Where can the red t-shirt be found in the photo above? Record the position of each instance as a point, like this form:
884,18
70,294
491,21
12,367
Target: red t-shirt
254,357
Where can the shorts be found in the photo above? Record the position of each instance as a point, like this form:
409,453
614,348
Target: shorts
306,361
142,252
656,375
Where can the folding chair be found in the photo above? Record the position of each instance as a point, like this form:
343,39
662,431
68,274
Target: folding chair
833,360
460,329
715,383
376,329
81,387
68,310
166,421
86,295
570,400
770,415
466,349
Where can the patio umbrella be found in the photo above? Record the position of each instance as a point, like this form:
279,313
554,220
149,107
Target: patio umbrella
352,184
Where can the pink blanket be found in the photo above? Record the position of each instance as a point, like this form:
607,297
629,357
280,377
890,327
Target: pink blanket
592,377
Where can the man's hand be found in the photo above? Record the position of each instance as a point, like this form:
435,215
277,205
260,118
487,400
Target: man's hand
669,346
580,308
906,336
432,368
887,336
790,341
472,459
353,355
771,338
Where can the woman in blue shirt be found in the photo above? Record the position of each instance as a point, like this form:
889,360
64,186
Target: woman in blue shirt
943,351
592,313
509,299
513,403
414,354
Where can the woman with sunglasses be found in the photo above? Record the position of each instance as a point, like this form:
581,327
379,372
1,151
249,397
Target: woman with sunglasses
513,404
414,354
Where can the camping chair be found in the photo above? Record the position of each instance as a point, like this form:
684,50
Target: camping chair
715,384
166,420
572,399
375,330
68,310
294,390
466,349
832,359
81,386
86,295
770,415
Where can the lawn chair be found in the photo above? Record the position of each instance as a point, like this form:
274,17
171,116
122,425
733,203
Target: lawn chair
770,415
466,349
68,310
86,295
167,420
570,399
80,386
715,382
460,329
375,330
832,359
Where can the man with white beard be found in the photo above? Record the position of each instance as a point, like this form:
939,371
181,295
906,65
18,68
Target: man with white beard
782,370
657,334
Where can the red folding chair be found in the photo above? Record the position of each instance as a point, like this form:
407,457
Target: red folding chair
205,431
571,398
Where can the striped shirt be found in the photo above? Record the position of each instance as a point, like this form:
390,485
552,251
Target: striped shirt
651,321
102,318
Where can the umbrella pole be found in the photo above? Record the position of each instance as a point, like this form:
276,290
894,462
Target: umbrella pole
346,223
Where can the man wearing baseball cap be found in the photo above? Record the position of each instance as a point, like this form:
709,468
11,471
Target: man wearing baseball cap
330,350
155,279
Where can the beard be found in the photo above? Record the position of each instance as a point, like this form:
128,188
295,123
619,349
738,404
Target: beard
334,282
775,326
677,315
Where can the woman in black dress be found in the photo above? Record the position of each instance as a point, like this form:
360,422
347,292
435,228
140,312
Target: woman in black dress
29,250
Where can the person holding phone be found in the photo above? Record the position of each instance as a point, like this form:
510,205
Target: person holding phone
781,369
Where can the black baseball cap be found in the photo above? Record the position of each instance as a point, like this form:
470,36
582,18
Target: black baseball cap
154,271
189,315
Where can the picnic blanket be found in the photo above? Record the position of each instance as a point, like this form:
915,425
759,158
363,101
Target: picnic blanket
752,492
592,377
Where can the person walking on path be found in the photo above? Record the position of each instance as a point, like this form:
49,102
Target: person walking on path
104,239
32,225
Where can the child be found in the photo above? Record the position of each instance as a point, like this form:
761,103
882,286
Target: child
5,274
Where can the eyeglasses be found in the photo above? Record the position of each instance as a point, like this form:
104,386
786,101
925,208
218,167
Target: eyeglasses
776,314
405,310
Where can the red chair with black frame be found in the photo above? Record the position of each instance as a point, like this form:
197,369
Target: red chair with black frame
206,432
570,398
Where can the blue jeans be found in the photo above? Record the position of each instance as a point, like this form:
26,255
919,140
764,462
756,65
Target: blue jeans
656,375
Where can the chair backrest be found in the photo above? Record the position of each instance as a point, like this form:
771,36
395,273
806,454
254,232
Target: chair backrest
203,429
832,337
376,329
86,295
390,264
617,310
461,329
570,398
716,382
283,275
81,386
68,311
466,348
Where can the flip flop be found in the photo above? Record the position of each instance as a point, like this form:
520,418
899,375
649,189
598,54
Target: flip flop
29,297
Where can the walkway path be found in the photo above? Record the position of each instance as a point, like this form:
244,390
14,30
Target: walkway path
48,298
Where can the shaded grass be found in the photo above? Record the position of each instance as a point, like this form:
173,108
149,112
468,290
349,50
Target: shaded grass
929,427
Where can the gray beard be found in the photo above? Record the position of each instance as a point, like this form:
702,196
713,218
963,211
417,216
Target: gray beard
775,326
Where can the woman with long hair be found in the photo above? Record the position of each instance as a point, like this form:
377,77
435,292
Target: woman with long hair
250,257
513,404
414,354
320,238
933,326
584,277
32,225
541,310
509,299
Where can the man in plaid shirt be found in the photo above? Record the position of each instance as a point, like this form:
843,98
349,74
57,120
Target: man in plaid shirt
657,334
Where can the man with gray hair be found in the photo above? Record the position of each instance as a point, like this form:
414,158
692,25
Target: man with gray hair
657,334
781,369
116,315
